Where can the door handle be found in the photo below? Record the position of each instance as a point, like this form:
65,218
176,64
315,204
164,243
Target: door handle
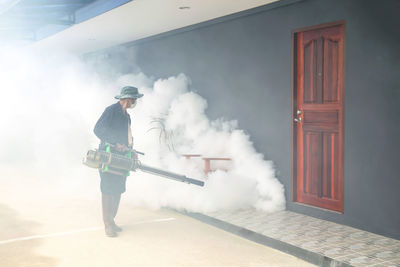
298,112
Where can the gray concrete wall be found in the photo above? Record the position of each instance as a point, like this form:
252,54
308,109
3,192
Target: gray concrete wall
242,66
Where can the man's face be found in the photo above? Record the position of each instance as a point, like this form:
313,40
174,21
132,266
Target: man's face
128,103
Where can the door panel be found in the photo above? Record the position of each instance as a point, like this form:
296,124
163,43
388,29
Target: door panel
319,115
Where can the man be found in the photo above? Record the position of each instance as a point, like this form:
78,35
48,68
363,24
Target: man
114,127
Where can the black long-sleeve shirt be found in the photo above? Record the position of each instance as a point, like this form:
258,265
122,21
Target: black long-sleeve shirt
112,126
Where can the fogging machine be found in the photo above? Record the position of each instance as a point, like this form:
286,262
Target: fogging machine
107,161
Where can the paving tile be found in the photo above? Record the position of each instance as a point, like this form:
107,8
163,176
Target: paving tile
294,238
312,245
259,223
247,213
314,233
264,228
358,260
385,242
237,221
225,215
337,228
397,261
335,245
382,254
336,239
316,223
360,247
335,252
277,235
325,227
272,232
260,215
386,264
296,242
361,235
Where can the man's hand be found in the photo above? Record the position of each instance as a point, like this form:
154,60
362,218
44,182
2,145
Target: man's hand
121,148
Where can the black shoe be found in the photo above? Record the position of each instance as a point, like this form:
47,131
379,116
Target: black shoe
110,232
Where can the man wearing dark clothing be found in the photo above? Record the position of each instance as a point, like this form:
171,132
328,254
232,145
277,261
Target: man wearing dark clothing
114,127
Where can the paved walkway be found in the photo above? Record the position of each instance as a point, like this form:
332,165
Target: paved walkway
321,242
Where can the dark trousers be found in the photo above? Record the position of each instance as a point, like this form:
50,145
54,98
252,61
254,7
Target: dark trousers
112,184
110,204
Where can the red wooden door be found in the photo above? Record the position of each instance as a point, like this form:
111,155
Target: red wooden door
319,117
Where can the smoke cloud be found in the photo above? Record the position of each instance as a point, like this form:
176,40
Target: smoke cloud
48,110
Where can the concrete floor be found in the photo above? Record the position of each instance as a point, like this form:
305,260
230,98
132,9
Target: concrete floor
38,232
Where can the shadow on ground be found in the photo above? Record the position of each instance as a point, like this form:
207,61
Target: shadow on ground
19,253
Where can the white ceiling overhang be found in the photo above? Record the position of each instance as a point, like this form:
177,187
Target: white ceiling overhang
141,19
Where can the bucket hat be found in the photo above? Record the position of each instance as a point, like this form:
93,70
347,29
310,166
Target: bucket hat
129,92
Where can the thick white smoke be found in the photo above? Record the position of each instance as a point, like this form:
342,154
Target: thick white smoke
48,110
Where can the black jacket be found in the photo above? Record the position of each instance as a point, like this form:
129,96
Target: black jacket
112,127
